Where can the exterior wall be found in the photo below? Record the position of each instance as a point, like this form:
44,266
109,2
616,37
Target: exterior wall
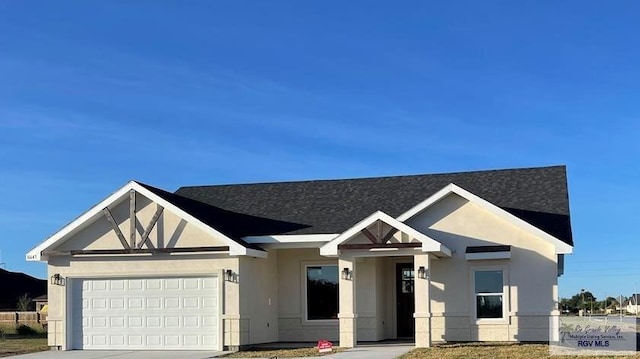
383,286
292,323
370,285
258,282
531,275
375,300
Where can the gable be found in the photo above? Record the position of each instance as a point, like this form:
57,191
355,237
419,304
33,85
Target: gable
170,230
459,223
131,191
388,241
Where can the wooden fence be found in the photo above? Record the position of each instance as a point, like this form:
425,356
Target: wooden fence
28,318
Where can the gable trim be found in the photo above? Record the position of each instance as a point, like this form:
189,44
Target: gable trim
560,246
36,254
428,244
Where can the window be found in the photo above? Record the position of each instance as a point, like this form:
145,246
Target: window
489,294
322,292
407,280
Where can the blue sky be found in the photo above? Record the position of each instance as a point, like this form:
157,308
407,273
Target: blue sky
93,94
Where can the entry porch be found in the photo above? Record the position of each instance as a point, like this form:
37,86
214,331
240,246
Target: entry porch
384,281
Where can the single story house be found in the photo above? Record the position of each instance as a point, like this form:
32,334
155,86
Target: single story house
41,302
471,256
631,305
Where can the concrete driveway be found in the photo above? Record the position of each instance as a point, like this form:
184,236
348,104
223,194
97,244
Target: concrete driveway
120,354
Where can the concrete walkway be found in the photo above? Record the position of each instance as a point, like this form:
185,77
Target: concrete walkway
383,351
374,352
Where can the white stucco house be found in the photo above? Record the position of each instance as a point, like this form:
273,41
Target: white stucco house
631,305
471,256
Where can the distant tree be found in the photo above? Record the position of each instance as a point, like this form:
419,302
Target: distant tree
610,303
24,302
567,305
612,300
581,300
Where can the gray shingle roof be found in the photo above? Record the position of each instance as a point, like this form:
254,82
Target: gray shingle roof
536,195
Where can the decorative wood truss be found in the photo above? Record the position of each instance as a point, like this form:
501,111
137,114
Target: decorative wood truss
131,247
379,240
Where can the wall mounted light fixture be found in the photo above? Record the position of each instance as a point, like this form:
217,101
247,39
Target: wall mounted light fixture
423,273
346,273
229,275
57,279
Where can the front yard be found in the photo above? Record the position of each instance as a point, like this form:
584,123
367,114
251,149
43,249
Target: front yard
14,345
492,350
278,353
441,351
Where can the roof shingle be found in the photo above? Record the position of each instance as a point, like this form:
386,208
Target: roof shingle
536,195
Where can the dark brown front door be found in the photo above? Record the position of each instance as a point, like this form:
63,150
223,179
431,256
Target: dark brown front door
405,300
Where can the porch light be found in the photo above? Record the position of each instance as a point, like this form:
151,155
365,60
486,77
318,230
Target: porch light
422,272
346,273
57,279
228,274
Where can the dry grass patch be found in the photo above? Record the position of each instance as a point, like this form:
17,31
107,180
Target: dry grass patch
491,351
280,353
11,345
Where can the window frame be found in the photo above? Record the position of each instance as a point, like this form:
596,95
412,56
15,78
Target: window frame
304,302
505,294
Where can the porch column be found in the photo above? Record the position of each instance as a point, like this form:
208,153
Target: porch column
422,294
347,315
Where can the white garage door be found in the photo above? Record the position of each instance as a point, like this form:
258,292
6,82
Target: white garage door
146,313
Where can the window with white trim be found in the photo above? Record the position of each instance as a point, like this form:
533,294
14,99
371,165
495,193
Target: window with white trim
489,294
322,292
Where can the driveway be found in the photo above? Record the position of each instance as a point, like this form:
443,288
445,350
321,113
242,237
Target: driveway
119,354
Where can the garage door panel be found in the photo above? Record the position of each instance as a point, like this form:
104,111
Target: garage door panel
209,340
134,303
117,322
146,313
172,322
209,321
135,340
117,285
210,303
172,303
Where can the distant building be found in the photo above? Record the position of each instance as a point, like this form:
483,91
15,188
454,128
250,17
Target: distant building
631,305
41,302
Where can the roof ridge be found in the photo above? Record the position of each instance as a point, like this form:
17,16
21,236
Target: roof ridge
372,177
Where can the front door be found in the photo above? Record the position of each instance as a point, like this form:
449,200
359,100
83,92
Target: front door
405,300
